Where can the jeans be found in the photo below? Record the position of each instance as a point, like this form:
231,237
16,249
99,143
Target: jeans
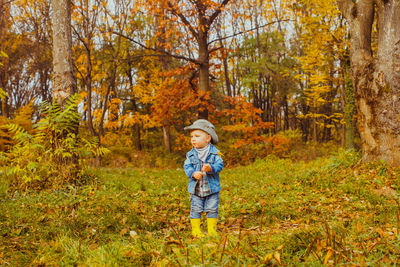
208,204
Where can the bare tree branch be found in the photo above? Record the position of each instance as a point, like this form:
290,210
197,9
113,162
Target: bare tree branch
246,31
80,37
158,50
217,12
184,20
77,69
215,49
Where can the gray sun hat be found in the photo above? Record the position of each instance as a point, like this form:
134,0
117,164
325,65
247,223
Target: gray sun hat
206,126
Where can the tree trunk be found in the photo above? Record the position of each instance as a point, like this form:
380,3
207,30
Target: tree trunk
165,64
137,137
136,126
88,79
343,127
314,124
64,83
286,109
226,74
225,64
376,78
167,136
347,100
204,72
4,25
5,108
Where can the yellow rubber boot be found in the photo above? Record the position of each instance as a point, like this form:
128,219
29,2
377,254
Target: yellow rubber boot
196,231
211,225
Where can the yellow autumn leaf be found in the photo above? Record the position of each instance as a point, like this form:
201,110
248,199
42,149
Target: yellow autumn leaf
268,257
359,227
327,257
277,257
3,54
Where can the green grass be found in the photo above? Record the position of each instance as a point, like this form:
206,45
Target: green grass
275,211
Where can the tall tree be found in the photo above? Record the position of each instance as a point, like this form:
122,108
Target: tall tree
64,82
376,76
32,22
323,42
86,17
196,19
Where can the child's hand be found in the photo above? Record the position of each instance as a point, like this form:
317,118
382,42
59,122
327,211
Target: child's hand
197,175
206,168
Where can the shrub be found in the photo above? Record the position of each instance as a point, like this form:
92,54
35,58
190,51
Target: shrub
22,118
54,154
282,145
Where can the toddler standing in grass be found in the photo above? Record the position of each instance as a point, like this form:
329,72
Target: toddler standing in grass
202,166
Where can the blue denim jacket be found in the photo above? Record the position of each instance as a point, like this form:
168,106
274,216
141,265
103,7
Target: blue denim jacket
192,164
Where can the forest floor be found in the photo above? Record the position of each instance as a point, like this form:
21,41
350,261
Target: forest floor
330,211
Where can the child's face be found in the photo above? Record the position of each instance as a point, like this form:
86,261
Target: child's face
199,138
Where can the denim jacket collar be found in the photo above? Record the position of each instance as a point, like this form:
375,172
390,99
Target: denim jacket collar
213,150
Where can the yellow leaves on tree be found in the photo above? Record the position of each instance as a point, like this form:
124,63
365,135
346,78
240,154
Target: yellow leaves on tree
113,114
322,29
22,118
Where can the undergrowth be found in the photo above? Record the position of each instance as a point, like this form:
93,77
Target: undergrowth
331,211
52,154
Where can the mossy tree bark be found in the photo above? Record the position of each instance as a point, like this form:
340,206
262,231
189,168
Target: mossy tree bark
376,77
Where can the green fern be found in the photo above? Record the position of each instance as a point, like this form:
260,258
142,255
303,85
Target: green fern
55,154
60,119
21,136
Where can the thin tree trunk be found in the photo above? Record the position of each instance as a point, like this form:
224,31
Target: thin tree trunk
165,62
314,124
225,65
136,126
138,137
110,88
204,72
5,107
88,79
4,25
347,100
286,107
167,136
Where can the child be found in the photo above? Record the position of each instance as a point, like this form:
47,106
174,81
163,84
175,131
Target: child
202,166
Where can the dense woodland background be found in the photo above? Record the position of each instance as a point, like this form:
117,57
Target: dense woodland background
277,74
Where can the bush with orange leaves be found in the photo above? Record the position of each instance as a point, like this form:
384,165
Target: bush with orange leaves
244,131
247,135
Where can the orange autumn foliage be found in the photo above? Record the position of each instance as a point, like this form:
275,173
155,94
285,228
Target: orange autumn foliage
249,136
245,122
175,96
22,118
172,97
